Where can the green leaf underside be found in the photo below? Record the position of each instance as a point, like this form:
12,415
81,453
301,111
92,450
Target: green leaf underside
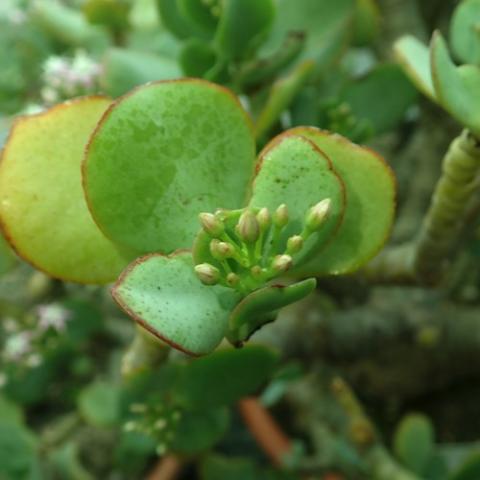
292,170
457,88
227,375
164,295
162,155
42,206
464,32
257,308
370,204
414,58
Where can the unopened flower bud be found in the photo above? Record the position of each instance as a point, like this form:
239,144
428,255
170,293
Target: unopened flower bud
294,244
256,271
280,217
263,218
281,263
211,224
232,279
248,228
208,274
221,250
318,214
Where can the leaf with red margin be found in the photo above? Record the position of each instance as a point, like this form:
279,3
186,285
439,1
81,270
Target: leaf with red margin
292,170
370,204
164,295
42,206
161,155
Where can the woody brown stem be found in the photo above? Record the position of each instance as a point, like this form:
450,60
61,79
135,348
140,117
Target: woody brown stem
269,436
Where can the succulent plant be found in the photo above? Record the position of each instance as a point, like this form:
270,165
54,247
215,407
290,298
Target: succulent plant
169,175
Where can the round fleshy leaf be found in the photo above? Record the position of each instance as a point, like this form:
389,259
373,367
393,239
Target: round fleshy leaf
163,154
164,295
370,204
42,207
292,170
457,88
464,31
414,57
261,306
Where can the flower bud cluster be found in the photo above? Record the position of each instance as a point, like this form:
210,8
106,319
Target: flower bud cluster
248,247
157,420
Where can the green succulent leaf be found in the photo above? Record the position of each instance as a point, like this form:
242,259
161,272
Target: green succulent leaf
111,14
225,376
44,215
18,452
69,26
457,88
414,57
164,295
174,19
367,22
163,154
414,442
292,170
197,57
370,206
465,32
201,13
200,431
260,307
243,25
99,404
397,96
326,24
124,69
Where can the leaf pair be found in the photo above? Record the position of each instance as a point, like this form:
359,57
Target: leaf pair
455,88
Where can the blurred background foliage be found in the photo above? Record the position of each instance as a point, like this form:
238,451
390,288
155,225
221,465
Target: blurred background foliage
409,353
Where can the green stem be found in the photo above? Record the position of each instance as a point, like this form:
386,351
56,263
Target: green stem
446,216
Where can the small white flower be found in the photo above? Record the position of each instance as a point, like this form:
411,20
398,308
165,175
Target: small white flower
18,345
3,379
53,316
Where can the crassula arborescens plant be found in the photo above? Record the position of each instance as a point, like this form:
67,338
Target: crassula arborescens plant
91,185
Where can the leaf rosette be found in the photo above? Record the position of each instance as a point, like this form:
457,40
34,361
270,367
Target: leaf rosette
88,186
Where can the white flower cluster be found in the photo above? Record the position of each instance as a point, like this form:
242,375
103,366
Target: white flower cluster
65,77
25,345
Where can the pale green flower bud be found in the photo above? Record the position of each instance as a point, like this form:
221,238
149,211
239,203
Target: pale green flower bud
232,279
317,215
221,250
208,274
256,271
248,228
211,224
280,217
294,244
281,263
263,218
